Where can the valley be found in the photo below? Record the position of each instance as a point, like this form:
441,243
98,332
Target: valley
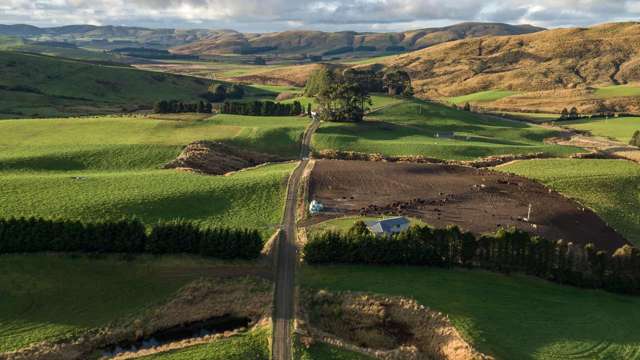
468,191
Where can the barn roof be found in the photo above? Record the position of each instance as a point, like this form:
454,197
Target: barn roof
389,225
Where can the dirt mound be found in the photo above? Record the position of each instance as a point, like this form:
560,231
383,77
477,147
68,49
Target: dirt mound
214,158
477,200
200,300
387,327
489,161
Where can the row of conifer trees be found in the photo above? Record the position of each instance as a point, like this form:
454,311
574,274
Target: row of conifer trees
504,251
262,108
130,236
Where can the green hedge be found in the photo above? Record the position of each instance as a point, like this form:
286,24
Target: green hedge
24,235
505,251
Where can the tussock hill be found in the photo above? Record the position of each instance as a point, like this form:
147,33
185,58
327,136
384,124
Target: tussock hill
336,43
38,85
555,59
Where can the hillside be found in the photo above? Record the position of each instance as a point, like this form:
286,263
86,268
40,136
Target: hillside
574,58
108,36
337,43
37,85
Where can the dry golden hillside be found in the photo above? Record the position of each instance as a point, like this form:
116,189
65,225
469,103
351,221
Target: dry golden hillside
336,43
553,59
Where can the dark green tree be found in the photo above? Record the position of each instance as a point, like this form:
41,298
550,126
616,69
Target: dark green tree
319,81
396,82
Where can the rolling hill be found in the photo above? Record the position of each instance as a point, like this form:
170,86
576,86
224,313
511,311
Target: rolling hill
338,43
576,58
108,36
286,43
38,85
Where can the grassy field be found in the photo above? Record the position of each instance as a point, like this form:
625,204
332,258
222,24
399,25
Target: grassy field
46,297
412,127
510,317
252,198
482,96
321,351
253,345
108,143
40,86
620,129
617,91
610,187
532,117
118,160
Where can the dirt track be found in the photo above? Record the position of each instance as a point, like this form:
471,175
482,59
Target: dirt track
286,258
476,200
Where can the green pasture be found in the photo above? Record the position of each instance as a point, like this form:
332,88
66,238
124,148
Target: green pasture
482,96
253,345
610,187
252,198
49,297
620,129
617,91
40,86
509,317
413,127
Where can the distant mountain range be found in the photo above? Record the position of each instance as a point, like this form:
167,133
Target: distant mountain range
287,43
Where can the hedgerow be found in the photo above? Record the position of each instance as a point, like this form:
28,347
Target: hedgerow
507,250
27,235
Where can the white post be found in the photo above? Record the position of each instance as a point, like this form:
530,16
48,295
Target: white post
529,213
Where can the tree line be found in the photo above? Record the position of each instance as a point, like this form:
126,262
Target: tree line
174,107
505,251
128,236
262,108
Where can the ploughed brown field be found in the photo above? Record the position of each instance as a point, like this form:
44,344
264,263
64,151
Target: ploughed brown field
477,200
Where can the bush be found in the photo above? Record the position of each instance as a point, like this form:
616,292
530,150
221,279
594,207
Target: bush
635,139
25,235
507,250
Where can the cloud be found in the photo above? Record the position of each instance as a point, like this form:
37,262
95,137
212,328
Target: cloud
269,15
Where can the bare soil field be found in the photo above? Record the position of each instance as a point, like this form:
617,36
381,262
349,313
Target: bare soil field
477,200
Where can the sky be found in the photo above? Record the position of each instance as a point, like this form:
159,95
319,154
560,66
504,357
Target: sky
279,15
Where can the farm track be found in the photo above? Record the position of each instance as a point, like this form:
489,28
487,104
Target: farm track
286,254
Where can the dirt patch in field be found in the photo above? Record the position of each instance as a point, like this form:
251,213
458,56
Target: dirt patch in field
247,297
599,147
385,327
477,200
214,158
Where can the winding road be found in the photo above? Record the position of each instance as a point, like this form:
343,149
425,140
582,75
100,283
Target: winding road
286,255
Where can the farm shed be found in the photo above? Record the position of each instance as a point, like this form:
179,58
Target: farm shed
388,226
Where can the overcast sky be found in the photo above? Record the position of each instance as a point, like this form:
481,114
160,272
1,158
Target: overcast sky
277,15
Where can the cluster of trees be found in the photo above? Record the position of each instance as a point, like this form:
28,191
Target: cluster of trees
635,139
505,251
569,114
130,236
220,92
397,83
175,106
262,108
345,96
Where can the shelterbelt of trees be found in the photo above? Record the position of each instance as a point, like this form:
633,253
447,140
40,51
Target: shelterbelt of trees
128,236
262,108
506,251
